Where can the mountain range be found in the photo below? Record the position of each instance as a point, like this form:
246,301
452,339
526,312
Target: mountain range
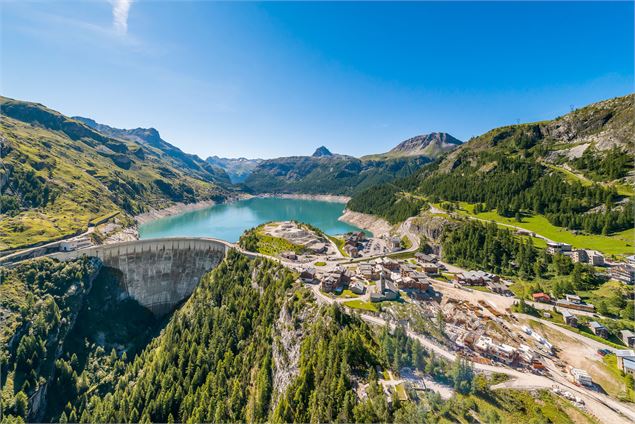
325,172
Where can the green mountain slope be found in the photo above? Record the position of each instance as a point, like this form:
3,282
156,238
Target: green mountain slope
576,171
329,173
58,174
161,149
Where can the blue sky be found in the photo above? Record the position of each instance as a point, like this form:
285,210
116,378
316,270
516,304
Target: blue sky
277,79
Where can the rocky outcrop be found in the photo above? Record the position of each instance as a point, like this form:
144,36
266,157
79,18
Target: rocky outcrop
429,226
376,225
289,331
432,145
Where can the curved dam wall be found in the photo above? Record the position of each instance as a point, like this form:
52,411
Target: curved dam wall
158,273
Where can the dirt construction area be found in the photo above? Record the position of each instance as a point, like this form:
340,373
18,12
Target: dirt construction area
578,354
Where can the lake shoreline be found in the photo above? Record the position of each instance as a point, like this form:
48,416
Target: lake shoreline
376,225
178,209
332,198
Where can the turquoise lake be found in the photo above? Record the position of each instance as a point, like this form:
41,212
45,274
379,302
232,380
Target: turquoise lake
229,221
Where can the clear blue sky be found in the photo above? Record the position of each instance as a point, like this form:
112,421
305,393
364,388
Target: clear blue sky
275,79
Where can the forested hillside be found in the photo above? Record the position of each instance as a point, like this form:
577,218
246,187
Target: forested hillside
333,174
39,302
576,170
58,174
249,345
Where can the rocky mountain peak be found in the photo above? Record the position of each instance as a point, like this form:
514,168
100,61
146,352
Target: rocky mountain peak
321,152
433,141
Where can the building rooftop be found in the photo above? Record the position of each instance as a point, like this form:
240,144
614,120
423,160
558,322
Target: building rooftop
595,324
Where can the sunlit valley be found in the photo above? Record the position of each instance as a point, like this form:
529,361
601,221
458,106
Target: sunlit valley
304,225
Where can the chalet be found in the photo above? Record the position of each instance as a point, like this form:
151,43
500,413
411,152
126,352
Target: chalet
388,263
351,251
354,238
385,290
579,255
357,287
419,276
411,283
591,257
553,247
367,271
395,244
501,352
599,330
582,377
329,283
569,319
596,258
333,280
626,361
424,258
498,287
586,307
541,297
430,268
624,273
475,278
308,275
628,337
406,270
573,298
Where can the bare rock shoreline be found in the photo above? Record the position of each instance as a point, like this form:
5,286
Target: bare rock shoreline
378,226
174,209
334,198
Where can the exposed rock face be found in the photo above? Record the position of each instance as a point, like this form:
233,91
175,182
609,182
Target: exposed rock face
376,225
321,152
238,169
290,329
430,145
431,227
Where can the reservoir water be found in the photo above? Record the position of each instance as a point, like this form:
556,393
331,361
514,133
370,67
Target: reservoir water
229,221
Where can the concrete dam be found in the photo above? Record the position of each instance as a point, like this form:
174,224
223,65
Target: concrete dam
158,273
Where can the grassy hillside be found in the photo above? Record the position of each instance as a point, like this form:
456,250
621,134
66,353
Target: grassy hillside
566,178
58,174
